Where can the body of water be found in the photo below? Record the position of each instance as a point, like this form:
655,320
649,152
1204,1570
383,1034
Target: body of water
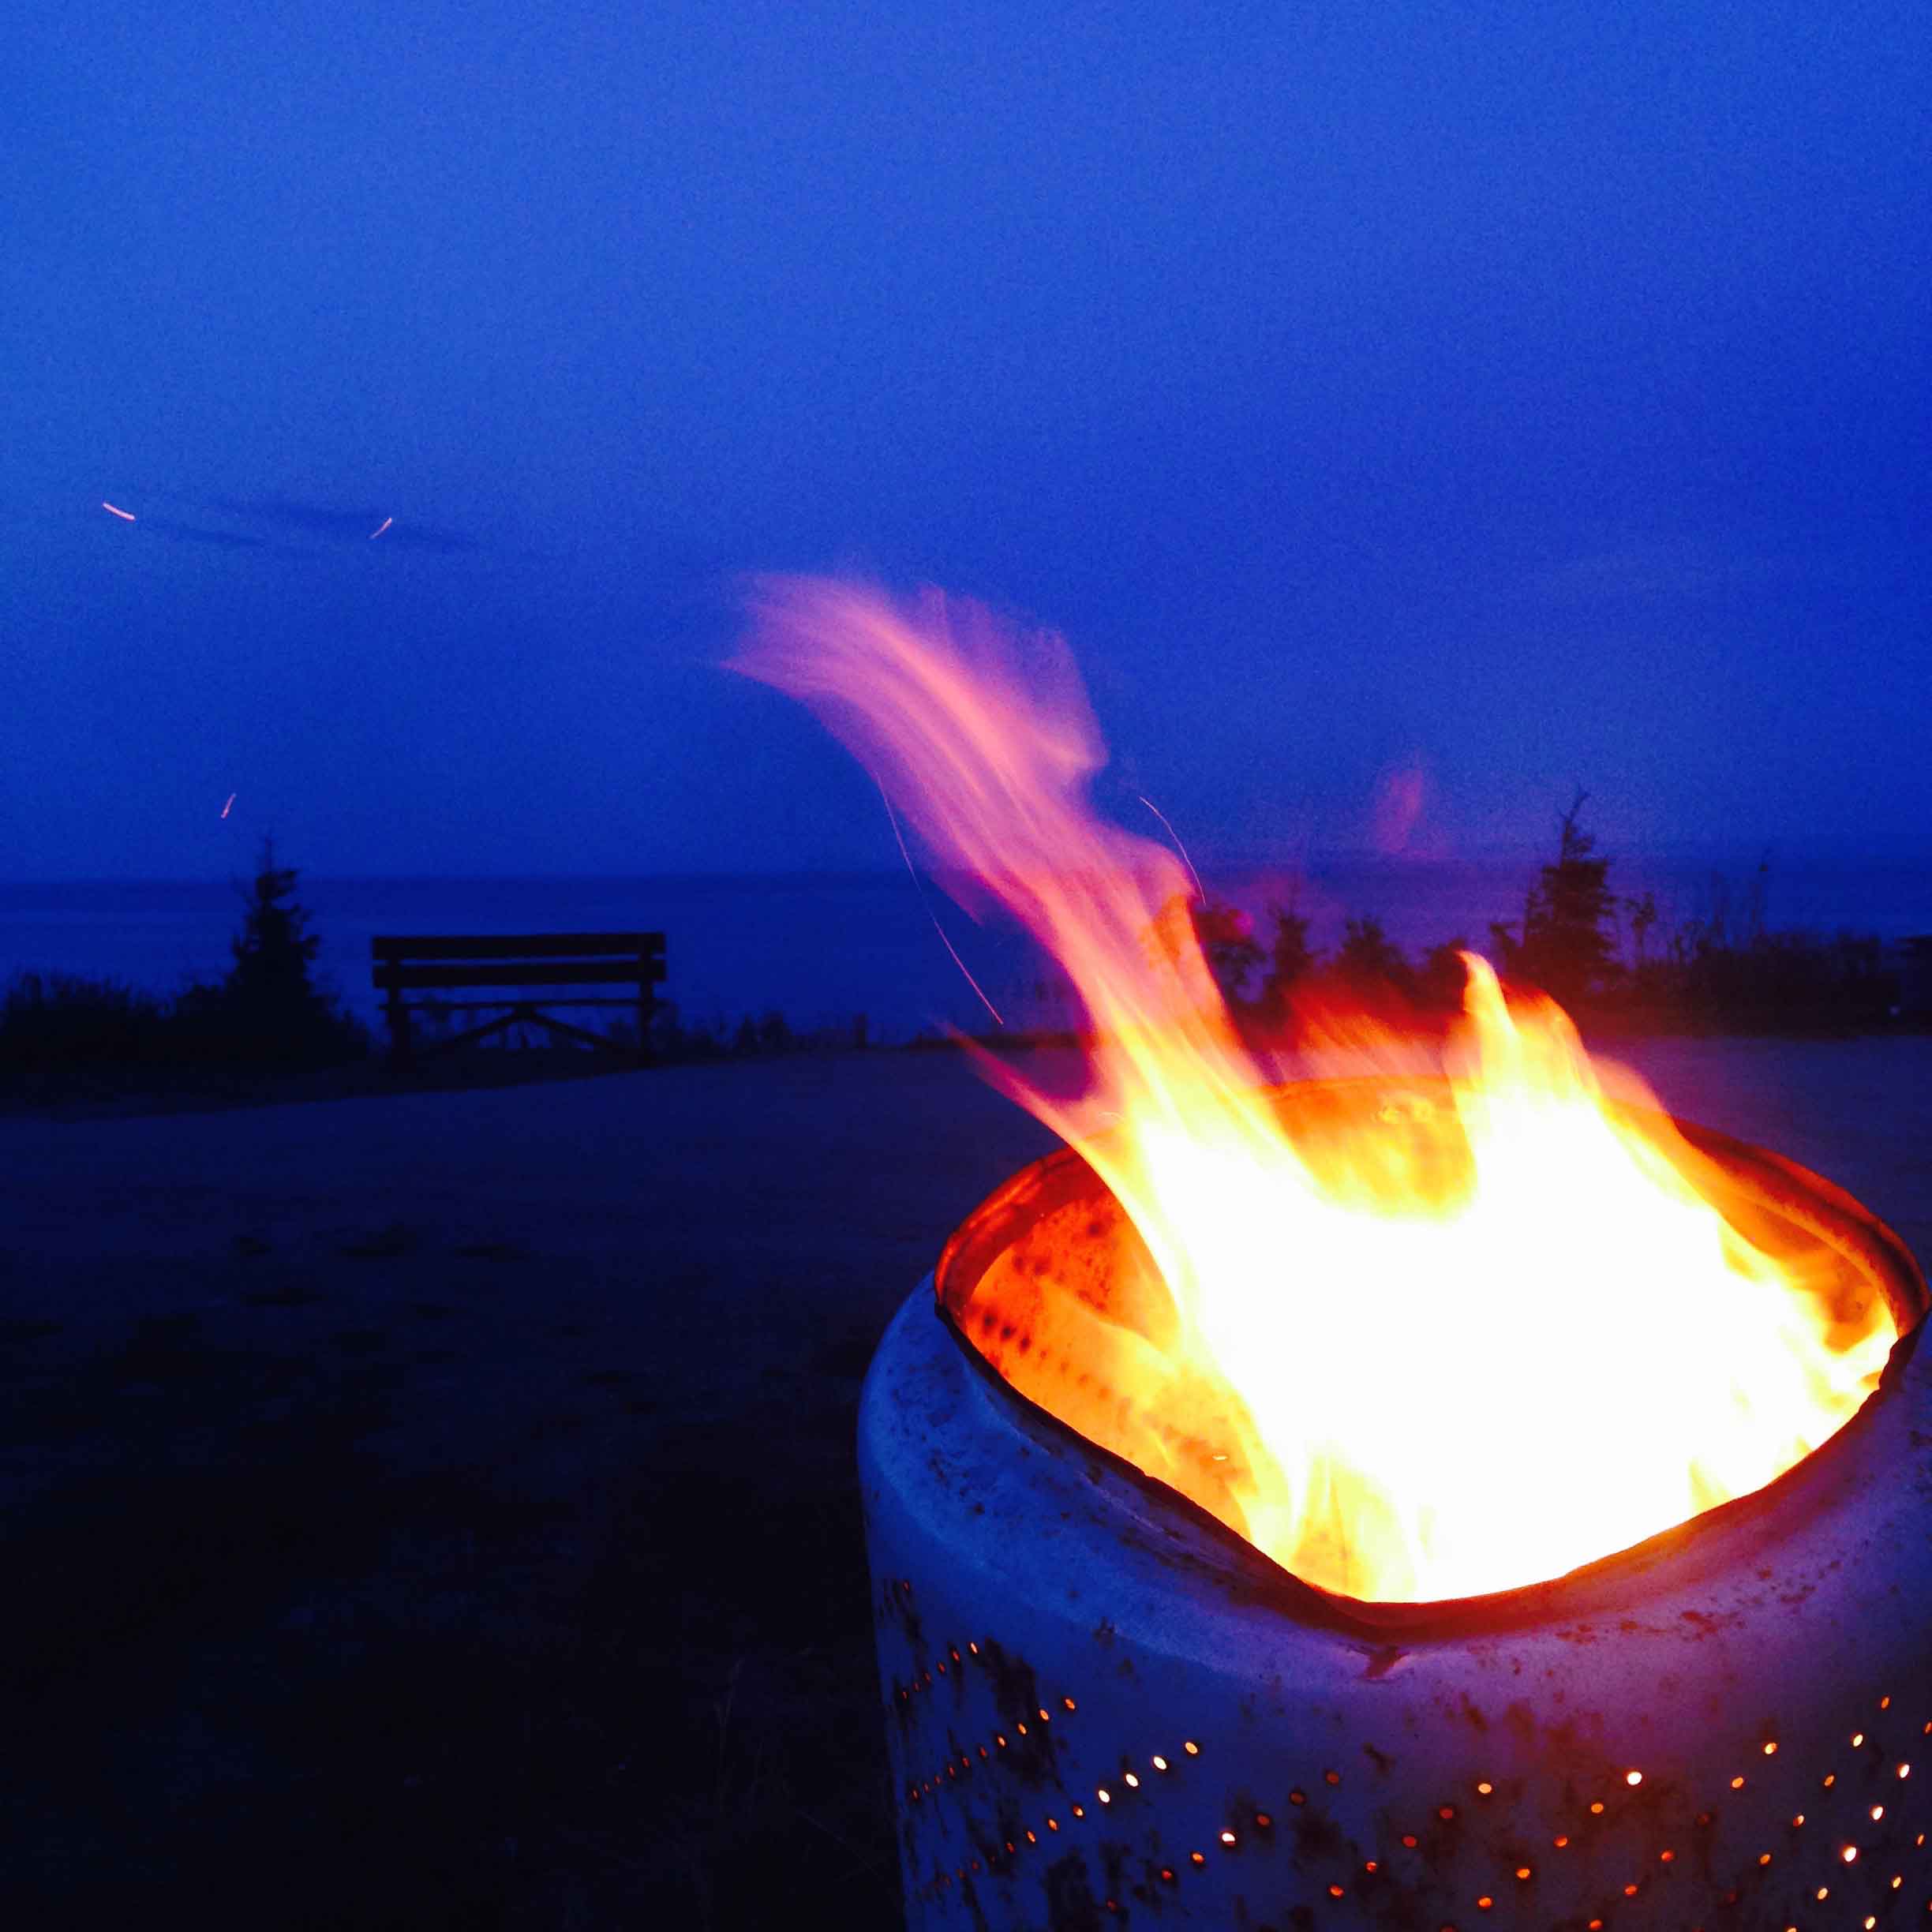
826,948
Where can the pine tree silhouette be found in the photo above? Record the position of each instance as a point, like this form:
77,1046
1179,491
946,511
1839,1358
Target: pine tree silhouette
275,950
268,1009
1569,936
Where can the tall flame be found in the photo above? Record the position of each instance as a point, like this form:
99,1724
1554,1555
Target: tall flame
1472,1349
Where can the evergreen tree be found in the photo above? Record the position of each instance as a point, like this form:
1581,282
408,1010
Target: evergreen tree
1369,958
1443,976
268,1009
1569,932
275,950
1227,937
1290,958
1643,919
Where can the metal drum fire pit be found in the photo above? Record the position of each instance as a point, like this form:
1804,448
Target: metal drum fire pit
1105,1706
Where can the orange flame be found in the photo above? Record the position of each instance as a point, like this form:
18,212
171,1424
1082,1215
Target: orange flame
1456,1353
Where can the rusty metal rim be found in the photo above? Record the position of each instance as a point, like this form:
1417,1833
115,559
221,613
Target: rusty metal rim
1770,1180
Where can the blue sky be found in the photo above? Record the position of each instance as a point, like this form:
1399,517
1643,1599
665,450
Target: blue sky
1517,397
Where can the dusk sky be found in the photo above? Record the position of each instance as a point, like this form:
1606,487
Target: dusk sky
1455,402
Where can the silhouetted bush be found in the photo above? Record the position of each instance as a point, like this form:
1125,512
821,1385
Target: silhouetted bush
52,1022
1784,982
59,1031
769,1034
1725,971
673,1039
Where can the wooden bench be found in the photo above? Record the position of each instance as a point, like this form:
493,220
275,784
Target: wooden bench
440,962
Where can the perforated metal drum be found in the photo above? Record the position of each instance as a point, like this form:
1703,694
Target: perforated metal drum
1105,1707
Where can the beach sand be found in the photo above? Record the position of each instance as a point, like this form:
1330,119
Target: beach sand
439,1509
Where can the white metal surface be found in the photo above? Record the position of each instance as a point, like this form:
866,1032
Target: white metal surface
1103,1709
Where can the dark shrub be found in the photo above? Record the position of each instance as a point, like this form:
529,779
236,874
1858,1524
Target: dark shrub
51,1022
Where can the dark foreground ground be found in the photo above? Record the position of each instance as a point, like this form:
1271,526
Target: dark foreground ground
439,1510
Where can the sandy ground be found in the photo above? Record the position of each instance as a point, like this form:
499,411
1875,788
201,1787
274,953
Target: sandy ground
438,1509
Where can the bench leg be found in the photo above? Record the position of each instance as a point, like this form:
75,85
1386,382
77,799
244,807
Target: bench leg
402,1047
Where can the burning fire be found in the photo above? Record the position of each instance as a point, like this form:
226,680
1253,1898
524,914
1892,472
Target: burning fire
1462,1339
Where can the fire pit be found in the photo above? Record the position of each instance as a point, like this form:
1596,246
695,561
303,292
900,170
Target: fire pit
1456,1490
1103,1703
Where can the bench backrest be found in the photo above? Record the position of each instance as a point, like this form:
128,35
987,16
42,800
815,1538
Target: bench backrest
423,962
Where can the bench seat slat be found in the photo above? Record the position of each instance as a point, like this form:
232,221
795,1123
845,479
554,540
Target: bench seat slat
388,948
554,973
530,1005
